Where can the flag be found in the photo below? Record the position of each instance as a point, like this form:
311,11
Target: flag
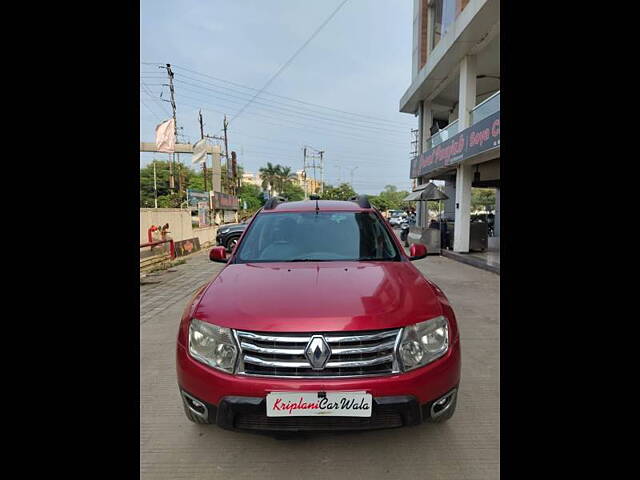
166,137
199,152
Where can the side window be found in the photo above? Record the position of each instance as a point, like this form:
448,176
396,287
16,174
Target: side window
384,246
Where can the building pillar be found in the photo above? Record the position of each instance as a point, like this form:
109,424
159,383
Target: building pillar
462,226
450,203
496,220
425,128
467,95
464,173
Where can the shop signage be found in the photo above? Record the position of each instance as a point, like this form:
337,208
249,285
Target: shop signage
476,139
195,196
224,201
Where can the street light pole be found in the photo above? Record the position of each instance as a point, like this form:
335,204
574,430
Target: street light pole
352,170
155,184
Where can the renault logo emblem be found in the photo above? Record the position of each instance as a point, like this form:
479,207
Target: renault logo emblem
317,352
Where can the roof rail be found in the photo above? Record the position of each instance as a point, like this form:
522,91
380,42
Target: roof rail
361,200
273,202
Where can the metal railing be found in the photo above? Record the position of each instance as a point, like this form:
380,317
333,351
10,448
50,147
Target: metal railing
444,134
488,107
156,258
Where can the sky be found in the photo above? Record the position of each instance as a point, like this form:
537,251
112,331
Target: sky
339,95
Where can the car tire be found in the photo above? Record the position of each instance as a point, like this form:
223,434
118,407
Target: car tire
192,416
448,414
232,242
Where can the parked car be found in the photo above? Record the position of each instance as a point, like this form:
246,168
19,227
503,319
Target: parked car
229,234
397,219
392,213
362,341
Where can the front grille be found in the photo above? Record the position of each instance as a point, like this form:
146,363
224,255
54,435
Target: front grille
352,354
382,418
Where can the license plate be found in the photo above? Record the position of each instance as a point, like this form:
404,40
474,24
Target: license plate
313,404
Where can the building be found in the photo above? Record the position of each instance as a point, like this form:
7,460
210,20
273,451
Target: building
308,184
252,179
455,95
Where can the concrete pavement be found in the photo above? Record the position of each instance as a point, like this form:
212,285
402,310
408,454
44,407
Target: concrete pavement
465,447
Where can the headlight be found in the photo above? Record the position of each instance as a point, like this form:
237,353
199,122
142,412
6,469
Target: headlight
424,342
212,345
225,230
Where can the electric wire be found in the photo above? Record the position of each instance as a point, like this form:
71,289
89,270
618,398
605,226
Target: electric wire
280,70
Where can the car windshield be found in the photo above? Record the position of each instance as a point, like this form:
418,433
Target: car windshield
311,236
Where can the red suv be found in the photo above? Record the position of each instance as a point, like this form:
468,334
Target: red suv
318,321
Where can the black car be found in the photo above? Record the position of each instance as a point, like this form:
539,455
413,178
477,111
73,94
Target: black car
229,234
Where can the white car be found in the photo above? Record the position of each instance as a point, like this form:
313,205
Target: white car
397,220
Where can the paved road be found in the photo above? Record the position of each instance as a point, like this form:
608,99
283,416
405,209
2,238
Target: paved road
466,447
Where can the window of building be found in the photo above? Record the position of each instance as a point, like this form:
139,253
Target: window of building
436,22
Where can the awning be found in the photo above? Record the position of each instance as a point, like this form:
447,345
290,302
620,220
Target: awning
412,197
426,192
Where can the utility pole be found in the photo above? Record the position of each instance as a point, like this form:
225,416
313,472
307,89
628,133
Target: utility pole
304,173
204,164
175,125
321,173
226,149
313,166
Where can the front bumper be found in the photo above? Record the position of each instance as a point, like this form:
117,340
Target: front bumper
249,413
403,396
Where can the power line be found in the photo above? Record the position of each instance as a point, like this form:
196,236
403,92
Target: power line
369,140
220,103
372,123
148,108
291,112
378,119
274,76
288,142
344,156
297,125
148,91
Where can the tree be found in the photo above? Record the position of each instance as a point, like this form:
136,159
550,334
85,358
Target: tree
191,180
252,195
344,191
381,203
292,192
483,198
392,199
269,176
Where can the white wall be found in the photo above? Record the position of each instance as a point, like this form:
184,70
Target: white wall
179,222
206,235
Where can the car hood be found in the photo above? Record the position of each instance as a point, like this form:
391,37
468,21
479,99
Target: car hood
233,226
318,296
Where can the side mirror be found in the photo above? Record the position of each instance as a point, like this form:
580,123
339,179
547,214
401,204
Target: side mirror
218,254
417,251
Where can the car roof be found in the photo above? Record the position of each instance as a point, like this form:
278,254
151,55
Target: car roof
310,206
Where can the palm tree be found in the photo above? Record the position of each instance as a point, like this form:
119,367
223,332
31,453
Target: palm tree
286,176
269,176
